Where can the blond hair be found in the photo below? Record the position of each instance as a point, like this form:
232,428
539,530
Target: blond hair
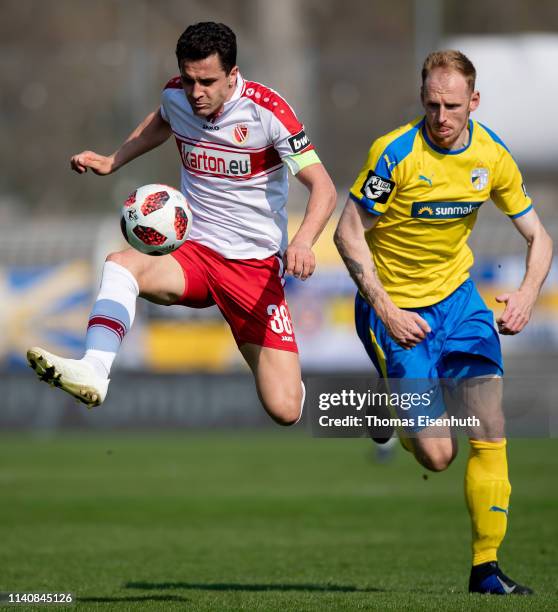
451,60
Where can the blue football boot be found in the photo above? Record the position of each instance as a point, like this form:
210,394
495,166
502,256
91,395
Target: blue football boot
489,579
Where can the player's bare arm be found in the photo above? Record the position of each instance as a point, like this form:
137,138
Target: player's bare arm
520,303
407,328
299,258
149,134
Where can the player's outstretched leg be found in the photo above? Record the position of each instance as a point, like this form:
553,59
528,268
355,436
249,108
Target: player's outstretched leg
278,381
125,276
113,313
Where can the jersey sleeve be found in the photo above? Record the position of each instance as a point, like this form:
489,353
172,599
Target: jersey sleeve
163,112
375,187
174,83
508,190
288,135
283,128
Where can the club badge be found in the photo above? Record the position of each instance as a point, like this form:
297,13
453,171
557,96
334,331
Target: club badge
479,178
240,133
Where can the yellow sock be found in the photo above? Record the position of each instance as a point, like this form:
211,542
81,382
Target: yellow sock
487,491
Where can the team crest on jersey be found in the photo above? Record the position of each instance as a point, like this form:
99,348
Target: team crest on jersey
240,133
479,178
377,188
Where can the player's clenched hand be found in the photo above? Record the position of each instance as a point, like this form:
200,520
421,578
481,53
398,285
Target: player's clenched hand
516,315
299,260
406,327
99,164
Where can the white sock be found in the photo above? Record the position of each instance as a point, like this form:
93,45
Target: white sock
111,318
101,361
301,402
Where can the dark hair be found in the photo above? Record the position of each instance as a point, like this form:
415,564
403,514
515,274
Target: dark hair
203,39
452,60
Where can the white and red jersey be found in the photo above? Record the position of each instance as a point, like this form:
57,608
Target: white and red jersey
233,175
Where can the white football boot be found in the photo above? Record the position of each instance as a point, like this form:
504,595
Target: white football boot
73,376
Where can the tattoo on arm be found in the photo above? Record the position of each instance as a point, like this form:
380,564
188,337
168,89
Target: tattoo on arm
356,270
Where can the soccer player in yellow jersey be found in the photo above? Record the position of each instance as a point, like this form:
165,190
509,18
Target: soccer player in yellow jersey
403,237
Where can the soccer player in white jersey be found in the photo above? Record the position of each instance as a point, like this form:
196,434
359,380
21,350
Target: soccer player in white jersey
235,139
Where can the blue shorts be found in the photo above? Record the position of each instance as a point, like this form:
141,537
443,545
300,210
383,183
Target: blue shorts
463,342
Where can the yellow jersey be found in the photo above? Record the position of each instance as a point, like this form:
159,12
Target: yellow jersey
428,200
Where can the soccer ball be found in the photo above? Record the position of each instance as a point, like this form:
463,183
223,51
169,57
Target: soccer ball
156,219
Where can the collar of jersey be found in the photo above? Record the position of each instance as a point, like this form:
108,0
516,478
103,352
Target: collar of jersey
237,92
447,151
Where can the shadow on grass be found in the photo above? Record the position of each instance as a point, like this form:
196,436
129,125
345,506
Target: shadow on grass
233,586
130,599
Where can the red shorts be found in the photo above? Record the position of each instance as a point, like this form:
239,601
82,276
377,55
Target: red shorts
249,293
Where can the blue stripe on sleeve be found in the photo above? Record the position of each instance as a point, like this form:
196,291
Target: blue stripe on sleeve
365,203
520,214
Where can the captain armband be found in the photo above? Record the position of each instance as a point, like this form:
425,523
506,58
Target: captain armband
298,162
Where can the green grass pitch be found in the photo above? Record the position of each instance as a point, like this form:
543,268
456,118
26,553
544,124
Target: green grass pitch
259,521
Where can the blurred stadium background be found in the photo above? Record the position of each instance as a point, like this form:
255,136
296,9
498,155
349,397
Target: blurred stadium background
237,520
81,75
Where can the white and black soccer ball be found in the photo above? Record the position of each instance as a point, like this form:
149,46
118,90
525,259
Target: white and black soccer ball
156,219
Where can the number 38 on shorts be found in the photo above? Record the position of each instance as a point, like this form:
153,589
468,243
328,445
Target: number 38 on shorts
280,321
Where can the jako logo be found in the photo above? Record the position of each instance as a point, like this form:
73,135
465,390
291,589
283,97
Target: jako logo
299,141
212,161
443,210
